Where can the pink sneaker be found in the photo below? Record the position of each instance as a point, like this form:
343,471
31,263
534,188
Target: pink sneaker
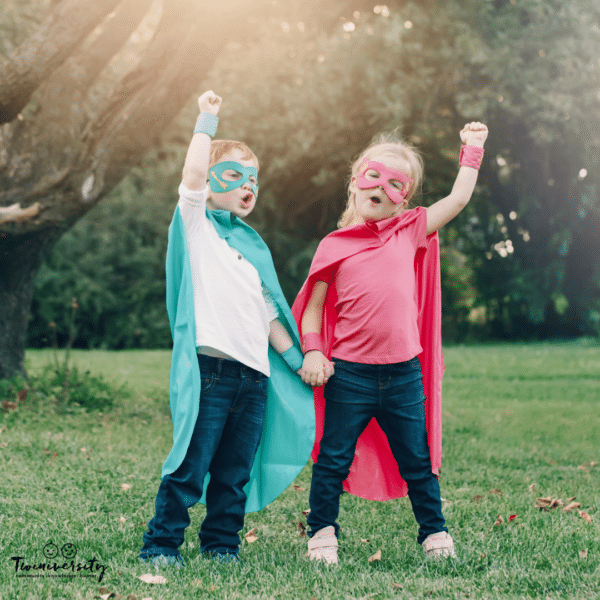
323,546
439,545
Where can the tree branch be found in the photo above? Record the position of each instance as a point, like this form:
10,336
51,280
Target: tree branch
42,53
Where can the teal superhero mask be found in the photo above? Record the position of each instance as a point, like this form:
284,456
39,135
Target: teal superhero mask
217,184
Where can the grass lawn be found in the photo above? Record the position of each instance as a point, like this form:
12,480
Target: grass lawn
520,422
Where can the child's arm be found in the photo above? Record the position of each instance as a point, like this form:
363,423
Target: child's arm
316,369
282,342
443,211
195,169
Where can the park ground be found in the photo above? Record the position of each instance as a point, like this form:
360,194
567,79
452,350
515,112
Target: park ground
521,446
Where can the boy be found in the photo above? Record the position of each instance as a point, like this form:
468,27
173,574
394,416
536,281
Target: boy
225,306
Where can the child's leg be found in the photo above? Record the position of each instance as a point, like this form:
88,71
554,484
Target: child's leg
230,468
183,488
402,418
350,405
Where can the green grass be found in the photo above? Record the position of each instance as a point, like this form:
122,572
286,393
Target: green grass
514,415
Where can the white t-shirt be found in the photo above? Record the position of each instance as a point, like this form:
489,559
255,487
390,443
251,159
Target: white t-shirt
232,309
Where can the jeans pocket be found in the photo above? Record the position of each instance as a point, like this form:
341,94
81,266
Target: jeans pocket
207,383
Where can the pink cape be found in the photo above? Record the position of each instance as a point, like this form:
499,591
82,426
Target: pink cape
374,473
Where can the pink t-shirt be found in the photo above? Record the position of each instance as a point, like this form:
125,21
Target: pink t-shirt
377,295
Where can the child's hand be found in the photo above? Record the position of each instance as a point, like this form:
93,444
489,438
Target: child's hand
209,102
474,134
316,369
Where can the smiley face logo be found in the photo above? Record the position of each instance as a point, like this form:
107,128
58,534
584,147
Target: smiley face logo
69,551
50,550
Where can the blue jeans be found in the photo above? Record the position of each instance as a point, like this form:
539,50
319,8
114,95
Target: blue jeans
393,394
224,443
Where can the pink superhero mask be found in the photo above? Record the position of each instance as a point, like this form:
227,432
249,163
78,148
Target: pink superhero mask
395,183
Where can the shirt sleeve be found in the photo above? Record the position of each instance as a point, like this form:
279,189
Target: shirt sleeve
192,206
326,275
272,309
419,228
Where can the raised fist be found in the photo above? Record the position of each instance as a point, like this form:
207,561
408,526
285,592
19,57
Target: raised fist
474,134
209,102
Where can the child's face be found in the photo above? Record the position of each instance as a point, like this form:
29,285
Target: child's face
241,200
373,204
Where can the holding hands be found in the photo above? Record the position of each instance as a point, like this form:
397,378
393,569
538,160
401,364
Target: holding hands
209,102
316,369
474,134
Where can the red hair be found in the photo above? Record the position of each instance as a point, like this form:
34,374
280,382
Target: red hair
219,148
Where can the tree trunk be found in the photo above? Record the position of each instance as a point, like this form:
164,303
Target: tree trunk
20,257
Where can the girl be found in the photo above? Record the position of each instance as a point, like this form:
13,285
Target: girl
371,304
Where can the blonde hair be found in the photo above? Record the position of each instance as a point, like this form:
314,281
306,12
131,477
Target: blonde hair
219,148
389,146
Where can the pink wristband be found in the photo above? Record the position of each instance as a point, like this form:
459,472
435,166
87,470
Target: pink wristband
470,156
312,341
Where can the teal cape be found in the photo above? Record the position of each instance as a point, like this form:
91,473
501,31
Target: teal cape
289,429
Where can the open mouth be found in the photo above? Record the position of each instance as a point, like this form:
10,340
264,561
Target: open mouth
247,199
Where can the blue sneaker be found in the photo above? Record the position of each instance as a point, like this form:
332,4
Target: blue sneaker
224,558
164,560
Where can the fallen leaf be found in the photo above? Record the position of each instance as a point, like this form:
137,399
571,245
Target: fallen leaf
364,541
532,488
583,553
302,528
548,502
477,498
122,520
585,516
593,463
299,488
305,512
375,557
250,537
82,449
6,405
569,507
22,396
149,578
125,487
396,586
496,491
512,518
499,520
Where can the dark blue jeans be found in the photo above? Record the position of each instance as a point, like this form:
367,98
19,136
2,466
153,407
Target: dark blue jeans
393,394
224,443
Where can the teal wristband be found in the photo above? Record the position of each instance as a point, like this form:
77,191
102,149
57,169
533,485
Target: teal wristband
206,123
294,358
